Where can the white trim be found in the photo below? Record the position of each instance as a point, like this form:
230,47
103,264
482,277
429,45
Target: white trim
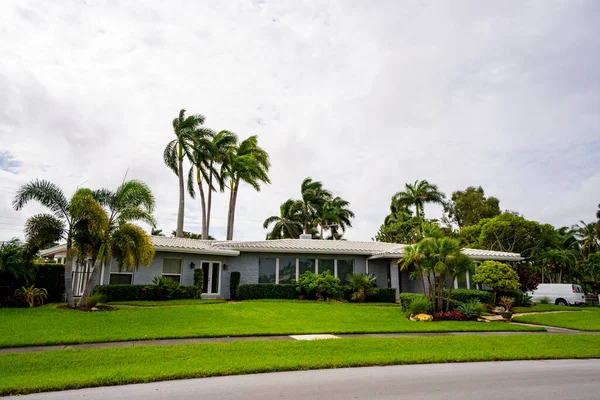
297,269
210,252
276,269
468,277
316,265
210,276
367,266
162,270
102,274
335,267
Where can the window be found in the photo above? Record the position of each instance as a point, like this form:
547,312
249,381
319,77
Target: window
266,270
172,269
120,276
287,270
306,264
327,265
461,280
344,267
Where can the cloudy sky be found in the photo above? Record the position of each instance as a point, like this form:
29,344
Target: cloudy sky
362,95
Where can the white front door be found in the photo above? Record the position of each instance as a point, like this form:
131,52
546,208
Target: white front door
212,277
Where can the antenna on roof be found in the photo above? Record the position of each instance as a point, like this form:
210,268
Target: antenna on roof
126,171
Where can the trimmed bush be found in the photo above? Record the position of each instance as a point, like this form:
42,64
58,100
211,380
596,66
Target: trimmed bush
51,276
267,291
420,306
382,295
407,298
466,295
234,283
143,292
199,279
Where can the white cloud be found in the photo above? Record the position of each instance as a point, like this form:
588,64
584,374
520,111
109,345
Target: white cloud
364,98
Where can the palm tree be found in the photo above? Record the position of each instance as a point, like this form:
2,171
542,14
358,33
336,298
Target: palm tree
335,215
557,261
105,224
286,225
362,285
413,256
178,149
441,255
52,197
586,235
12,264
314,197
598,223
459,265
417,195
201,159
246,162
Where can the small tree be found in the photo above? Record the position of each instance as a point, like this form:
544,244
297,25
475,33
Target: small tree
199,280
362,285
498,276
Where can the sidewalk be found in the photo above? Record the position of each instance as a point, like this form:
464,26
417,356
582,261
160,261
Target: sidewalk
169,342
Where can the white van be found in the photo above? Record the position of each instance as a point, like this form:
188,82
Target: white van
561,294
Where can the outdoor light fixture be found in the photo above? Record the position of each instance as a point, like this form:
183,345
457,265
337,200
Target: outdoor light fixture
192,265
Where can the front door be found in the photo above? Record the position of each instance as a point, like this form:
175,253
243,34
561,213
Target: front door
212,277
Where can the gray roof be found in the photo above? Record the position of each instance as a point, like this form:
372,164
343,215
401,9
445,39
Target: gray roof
182,245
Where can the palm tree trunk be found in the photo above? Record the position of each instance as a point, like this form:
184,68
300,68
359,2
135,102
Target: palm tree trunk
91,282
422,279
209,201
179,232
231,215
450,293
69,273
202,203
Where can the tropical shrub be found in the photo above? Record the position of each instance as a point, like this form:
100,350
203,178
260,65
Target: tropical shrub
544,300
420,306
51,276
267,291
33,296
382,295
164,287
234,283
449,316
199,279
507,302
523,299
320,286
498,276
466,295
93,300
361,285
472,309
407,298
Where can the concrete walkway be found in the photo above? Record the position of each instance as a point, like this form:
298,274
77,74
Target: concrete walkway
168,342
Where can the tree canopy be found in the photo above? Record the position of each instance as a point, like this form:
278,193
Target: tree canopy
468,207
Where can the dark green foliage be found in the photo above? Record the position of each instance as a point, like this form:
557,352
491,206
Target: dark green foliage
267,291
420,306
544,300
93,300
522,300
471,309
199,278
234,283
144,292
382,295
466,295
319,286
51,276
407,298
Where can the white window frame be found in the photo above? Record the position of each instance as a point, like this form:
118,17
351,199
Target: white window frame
162,274
210,276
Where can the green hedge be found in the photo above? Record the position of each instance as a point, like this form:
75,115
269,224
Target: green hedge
234,283
143,292
466,295
382,295
267,291
407,298
51,276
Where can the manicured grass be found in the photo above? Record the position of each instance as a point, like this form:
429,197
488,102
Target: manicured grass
182,302
546,308
48,325
586,320
54,370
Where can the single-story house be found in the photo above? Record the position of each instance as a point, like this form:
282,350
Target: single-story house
266,261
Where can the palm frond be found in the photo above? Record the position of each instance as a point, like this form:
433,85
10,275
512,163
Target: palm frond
46,193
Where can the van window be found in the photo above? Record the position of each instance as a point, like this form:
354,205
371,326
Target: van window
579,289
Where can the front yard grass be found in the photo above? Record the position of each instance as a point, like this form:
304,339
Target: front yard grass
546,308
70,369
170,303
49,325
588,319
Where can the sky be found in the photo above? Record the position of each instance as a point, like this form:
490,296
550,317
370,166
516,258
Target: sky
361,95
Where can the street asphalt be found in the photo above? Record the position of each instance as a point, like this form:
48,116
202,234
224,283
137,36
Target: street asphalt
530,380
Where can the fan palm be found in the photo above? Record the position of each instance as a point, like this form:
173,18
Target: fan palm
179,148
53,198
221,143
200,170
417,195
586,235
105,224
286,225
459,265
441,255
362,285
314,197
246,162
413,256
335,215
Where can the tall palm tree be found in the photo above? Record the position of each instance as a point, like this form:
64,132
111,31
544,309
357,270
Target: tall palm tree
221,143
418,194
413,256
105,217
314,197
335,215
459,265
246,162
286,225
586,235
53,198
441,255
200,170
179,148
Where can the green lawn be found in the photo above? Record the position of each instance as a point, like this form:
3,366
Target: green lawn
170,303
54,370
546,308
48,325
587,319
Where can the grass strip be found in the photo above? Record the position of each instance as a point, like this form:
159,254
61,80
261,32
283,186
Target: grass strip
54,370
546,308
586,320
169,303
48,325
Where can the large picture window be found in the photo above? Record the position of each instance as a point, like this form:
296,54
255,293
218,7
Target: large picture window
122,276
287,270
344,268
306,264
266,270
327,265
172,269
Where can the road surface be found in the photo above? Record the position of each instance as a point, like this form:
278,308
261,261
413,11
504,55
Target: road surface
530,380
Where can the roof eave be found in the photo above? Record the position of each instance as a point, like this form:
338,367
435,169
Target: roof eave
214,252
303,251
